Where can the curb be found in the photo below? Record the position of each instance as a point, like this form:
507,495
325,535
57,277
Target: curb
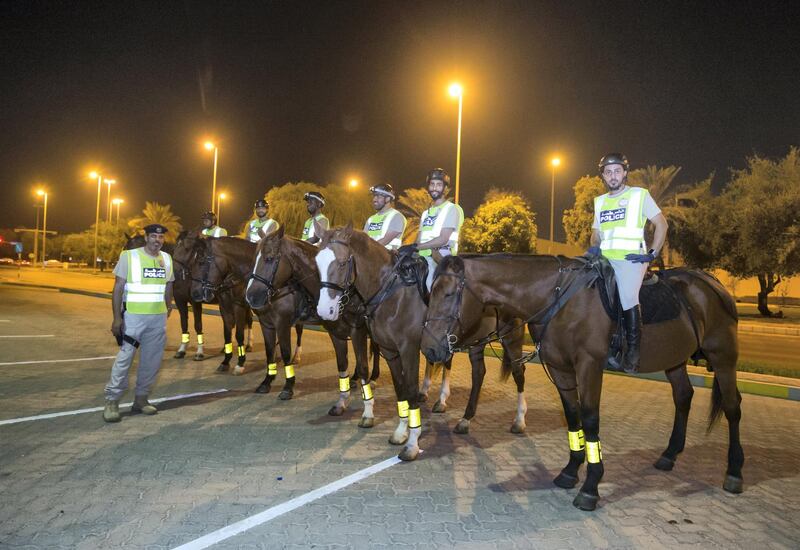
765,328
764,389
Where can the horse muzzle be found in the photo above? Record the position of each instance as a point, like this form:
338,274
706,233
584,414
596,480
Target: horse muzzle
329,308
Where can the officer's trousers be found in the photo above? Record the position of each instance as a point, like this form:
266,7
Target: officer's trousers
629,281
151,333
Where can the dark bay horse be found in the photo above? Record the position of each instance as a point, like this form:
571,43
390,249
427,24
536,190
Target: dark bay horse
351,263
574,345
283,288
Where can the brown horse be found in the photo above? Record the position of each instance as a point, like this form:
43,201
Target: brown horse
352,265
283,288
558,298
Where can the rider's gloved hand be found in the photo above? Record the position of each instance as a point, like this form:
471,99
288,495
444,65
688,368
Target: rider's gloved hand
593,252
407,249
641,258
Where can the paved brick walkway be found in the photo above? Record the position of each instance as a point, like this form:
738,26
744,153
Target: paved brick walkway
201,464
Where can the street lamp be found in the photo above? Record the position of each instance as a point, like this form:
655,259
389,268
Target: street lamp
117,201
219,208
99,178
209,146
109,183
43,193
353,183
554,162
457,91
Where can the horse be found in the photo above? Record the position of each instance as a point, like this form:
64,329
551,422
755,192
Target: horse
352,264
564,310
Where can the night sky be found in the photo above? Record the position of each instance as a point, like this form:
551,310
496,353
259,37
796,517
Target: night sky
331,90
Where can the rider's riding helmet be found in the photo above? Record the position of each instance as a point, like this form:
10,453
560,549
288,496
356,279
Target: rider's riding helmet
384,189
613,158
314,195
438,174
209,216
261,203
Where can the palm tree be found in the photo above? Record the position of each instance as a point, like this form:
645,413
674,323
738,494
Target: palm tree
157,213
659,181
412,203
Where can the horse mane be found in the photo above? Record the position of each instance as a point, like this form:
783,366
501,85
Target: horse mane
362,243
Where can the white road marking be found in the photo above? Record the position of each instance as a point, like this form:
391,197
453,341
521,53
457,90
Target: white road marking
96,409
27,336
58,360
5,320
276,511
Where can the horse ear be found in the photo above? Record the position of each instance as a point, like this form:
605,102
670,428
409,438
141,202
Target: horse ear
261,233
318,229
280,232
436,255
349,226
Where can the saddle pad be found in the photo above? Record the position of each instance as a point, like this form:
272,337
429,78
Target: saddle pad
659,303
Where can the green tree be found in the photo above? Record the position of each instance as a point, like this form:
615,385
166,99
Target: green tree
157,213
578,219
79,246
504,222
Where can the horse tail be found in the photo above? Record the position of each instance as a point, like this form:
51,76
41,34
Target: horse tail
716,405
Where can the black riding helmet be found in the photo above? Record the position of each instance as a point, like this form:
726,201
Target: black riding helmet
261,203
613,158
384,189
438,174
209,215
314,195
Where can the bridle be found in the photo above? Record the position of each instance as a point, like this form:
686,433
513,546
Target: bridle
268,281
454,315
349,289
209,288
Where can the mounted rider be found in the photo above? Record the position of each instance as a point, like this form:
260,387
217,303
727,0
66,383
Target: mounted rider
210,227
261,222
387,225
314,204
439,225
618,234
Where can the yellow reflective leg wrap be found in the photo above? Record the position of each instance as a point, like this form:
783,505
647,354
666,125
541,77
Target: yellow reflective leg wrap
344,384
272,369
228,348
593,453
289,370
200,339
366,392
185,338
240,350
402,409
576,441
414,418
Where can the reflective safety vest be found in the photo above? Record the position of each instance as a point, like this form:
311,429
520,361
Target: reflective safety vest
214,231
378,225
622,223
267,226
308,228
431,225
147,282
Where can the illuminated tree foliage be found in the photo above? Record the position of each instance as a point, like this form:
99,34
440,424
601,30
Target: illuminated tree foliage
157,213
578,219
504,222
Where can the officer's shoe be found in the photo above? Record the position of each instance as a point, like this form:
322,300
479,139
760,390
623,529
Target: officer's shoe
633,335
111,411
142,405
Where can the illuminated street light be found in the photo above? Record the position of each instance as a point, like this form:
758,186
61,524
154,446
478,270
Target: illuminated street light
99,178
456,90
210,146
353,183
554,162
109,183
117,201
43,193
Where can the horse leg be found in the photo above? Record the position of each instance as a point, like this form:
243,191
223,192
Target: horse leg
197,313
360,343
409,394
567,390
183,310
512,348
591,383
376,361
298,328
725,397
444,390
430,370
268,332
248,346
241,313
519,425
340,347
682,393
400,434
284,330
478,373
228,322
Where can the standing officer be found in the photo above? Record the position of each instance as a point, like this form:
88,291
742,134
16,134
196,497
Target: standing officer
210,227
387,225
314,203
439,225
618,234
262,222
143,282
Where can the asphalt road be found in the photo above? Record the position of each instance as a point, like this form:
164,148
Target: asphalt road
774,349
205,463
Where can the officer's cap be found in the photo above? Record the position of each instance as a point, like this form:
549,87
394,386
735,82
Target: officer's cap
155,228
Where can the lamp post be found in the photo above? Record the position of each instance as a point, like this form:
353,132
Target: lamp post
219,208
554,162
99,178
109,183
117,201
209,146
36,236
43,193
456,90
353,183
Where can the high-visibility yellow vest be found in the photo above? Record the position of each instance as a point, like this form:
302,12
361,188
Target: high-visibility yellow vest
622,222
431,224
147,282
308,228
267,226
215,231
378,226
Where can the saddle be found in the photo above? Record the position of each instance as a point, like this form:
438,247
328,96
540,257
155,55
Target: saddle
413,271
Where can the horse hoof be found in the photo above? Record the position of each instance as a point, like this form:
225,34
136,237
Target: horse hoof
199,357
398,441
285,395
336,411
517,428
263,388
238,370
179,355
409,454
733,484
664,464
585,502
248,348
566,481
223,368
439,407
366,422
462,427
422,398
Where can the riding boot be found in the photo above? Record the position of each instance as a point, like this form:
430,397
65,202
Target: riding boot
633,335
142,405
111,411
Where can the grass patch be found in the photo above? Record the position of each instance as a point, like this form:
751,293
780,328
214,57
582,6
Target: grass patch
749,312
766,368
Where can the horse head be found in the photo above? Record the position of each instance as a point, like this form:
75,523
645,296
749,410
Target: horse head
269,272
336,270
